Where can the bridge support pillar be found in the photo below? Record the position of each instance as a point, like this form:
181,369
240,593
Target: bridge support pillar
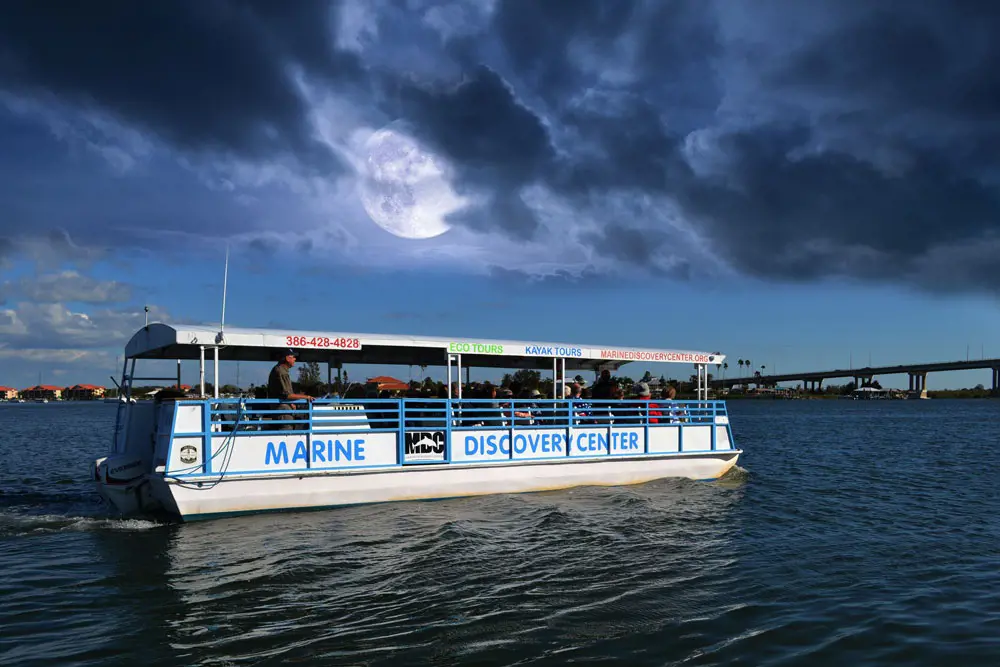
918,384
996,379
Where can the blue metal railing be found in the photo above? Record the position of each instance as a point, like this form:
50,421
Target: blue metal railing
343,415
411,419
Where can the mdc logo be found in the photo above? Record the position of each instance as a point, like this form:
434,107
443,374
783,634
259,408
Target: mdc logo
425,442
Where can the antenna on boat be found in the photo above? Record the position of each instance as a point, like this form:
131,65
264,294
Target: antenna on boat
225,286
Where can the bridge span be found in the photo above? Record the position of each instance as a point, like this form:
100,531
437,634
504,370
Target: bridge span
917,372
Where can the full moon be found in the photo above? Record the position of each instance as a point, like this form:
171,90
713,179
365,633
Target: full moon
405,188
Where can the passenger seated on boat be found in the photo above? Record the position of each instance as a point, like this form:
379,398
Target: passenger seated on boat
652,410
279,385
490,414
618,413
602,388
526,410
676,414
628,411
581,410
506,397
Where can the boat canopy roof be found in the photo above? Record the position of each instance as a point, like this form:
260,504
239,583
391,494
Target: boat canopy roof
175,341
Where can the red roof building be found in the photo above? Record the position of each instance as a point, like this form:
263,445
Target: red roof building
386,383
84,392
8,393
46,391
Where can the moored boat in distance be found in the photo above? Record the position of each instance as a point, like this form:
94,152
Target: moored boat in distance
198,457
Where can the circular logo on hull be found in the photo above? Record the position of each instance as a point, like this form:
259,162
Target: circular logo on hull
189,454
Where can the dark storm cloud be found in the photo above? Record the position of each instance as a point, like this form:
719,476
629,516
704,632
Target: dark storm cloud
798,140
480,125
806,217
496,143
632,246
203,74
859,153
506,209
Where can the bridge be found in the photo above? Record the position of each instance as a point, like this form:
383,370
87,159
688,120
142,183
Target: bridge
917,372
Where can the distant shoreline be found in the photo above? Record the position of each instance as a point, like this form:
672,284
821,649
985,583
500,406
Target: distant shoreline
954,394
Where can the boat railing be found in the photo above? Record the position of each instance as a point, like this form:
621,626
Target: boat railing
227,436
384,415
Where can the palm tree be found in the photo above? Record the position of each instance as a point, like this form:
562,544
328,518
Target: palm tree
740,362
725,367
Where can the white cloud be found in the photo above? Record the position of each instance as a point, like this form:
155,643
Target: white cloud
54,250
64,356
66,286
55,326
49,337
11,324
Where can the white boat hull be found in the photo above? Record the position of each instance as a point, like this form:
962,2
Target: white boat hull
245,495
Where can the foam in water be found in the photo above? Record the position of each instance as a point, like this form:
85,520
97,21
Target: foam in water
19,523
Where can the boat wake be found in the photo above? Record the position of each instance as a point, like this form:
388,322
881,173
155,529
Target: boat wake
14,522
27,511
736,474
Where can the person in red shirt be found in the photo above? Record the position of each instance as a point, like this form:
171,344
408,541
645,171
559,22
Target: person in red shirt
642,389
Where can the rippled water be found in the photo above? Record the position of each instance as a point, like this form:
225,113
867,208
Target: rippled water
855,533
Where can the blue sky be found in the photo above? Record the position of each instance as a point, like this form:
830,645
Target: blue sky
672,175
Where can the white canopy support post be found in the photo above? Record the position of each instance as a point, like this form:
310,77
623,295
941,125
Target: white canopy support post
555,376
562,390
215,369
458,376
201,370
451,358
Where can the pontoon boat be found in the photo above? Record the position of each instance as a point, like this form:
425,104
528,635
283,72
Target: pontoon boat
198,457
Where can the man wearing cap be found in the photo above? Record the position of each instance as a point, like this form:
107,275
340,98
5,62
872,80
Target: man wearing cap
279,385
642,389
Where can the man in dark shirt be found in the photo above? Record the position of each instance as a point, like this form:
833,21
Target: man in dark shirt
601,390
279,385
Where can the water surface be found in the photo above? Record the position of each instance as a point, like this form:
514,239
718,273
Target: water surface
857,533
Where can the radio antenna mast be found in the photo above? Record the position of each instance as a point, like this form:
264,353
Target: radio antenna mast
225,286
